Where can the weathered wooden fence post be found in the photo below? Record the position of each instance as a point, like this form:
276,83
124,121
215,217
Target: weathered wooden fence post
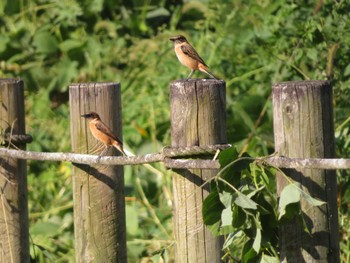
303,127
14,234
198,117
99,204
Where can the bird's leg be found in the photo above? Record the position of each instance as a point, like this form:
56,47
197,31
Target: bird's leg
104,151
191,73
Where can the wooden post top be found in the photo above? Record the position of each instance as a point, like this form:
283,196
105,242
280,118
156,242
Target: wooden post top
89,84
9,80
201,81
302,83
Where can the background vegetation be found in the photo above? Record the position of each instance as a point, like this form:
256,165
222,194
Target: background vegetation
249,44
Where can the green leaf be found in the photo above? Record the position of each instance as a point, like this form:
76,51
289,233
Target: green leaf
94,6
45,42
245,202
226,214
2,7
4,40
252,193
132,223
347,70
159,12
290,194
156,257
269,259
215,229
312,201
212,208
226,199
70,44
257,241
232,166
229,240
227,156
225,230
66,71
226,217
231,237
239,216
45,228
312,54
165,255
248,253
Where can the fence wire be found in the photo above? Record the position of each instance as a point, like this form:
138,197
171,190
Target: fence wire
175,158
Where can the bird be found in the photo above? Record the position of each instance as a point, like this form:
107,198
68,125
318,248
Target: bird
188,56
102,133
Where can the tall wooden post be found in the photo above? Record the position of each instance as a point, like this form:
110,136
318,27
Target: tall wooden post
14,234
303,127
99,205
198,117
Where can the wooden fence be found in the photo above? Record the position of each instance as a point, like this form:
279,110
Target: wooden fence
304,135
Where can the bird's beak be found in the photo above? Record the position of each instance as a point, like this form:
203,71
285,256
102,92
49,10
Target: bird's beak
84,115
172,38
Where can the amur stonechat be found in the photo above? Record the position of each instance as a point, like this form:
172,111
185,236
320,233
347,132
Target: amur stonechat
188,56
102,133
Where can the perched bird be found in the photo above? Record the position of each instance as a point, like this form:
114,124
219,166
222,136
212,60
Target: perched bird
102,133
188,56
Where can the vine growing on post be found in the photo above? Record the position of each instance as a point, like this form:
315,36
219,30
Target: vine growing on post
243,206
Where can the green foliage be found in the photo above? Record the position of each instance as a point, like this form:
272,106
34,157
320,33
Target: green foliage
250,44
243,207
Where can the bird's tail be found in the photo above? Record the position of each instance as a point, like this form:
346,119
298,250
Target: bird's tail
119,147
204,69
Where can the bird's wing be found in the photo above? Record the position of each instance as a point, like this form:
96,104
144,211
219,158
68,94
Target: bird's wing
104,129
191,52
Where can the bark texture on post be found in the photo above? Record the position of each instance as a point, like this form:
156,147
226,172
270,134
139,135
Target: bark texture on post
99,204
198,117
14,234
303,128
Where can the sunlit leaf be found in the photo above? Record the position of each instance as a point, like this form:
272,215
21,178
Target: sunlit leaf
228,240
245,202
257,241
269,259
290,194
312,201
165,256
226,199
226,217
252,193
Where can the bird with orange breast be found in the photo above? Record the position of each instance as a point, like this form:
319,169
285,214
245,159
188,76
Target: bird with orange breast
188,56
102,133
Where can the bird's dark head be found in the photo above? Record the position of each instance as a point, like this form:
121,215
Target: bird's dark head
91,115
178,39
